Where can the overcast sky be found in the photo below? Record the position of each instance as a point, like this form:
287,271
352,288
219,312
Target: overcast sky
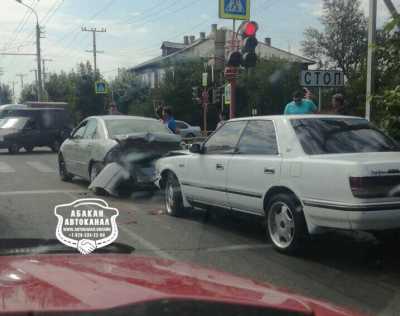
135,29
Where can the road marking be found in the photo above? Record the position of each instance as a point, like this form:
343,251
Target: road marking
34,192
5,168
238,247
146,244
40,166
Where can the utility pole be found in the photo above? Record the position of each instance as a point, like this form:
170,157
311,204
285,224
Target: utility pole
44,60
36,77
392,10
94,51
38,52
21,77
14,100
371,62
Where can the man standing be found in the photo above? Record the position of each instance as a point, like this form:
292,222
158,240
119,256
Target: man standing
300,105
338,106
169,120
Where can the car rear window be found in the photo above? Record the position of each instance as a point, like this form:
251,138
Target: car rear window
341,135
127,126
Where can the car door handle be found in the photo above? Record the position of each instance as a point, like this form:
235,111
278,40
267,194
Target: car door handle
269,171
218,166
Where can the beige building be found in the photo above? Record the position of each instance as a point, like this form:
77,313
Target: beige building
214,48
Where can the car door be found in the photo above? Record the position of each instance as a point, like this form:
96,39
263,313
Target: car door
70,148
254,168
182,128
30,134
86,147
207,172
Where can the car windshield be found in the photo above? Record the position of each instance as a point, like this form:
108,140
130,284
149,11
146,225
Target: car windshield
200,150
131,126
13,122
340,136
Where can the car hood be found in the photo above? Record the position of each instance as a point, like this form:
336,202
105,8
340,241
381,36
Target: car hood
100,282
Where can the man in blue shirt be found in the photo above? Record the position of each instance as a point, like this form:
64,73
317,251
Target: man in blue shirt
169,120
300,105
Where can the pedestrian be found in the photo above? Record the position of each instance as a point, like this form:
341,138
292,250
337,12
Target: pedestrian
222,119
338,105
301,105
159,113
113,110
169,120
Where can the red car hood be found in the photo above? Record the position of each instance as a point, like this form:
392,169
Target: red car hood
100,282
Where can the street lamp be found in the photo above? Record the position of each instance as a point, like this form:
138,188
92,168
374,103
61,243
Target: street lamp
38,57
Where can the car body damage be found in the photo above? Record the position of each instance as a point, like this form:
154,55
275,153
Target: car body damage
131,163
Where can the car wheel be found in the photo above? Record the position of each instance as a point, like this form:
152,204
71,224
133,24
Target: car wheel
286,226
55,146
29,149
62,170
95,169
173,196
14,149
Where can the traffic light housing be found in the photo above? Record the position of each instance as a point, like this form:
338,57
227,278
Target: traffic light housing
250,43
195,94
235,59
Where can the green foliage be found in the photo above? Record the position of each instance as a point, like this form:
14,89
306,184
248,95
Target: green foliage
130,94
5,94
343,43
268,87
28,93
387,115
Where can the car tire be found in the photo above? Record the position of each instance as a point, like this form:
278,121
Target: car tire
286,225
28,149
62,170
14,149
55,146
173,196
95,169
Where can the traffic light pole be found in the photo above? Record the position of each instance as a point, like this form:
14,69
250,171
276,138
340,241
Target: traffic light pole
232,108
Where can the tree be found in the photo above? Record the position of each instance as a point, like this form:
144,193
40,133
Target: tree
28,93
5,94
130,94
343,42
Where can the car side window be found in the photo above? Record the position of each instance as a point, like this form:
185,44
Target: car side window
31,124
225,139
80,131
258,138
91,130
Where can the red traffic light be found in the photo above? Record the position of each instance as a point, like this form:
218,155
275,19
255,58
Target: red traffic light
250,29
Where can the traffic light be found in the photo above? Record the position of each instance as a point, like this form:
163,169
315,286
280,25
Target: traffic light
234,59
195,94
250,42
216,95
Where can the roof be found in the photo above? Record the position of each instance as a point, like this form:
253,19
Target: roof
121,117
305,116
308,61
173,45
159,59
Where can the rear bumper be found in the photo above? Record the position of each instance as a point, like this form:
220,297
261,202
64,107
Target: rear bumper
381,216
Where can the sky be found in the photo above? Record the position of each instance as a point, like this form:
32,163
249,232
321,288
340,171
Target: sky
135,29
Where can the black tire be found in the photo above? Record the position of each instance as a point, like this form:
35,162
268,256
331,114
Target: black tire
28,149
14,149
95,169
55,146
62,170
173,196
286,225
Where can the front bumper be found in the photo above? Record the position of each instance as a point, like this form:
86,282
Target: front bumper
382,216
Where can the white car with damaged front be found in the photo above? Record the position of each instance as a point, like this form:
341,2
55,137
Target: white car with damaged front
304,174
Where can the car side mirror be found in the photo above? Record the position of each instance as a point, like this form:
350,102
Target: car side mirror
196,149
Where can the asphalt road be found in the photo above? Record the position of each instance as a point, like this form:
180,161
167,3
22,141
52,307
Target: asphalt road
349,269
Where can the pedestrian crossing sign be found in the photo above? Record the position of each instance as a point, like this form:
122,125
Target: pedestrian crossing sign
101,87
234,9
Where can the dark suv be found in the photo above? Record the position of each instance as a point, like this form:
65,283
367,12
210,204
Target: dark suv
29,128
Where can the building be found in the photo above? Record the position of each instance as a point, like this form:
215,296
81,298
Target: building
211,48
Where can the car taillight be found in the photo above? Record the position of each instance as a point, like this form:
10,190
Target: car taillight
374,187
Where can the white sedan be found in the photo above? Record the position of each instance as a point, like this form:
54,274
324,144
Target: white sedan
304,174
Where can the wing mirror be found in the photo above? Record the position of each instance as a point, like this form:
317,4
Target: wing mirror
196,149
